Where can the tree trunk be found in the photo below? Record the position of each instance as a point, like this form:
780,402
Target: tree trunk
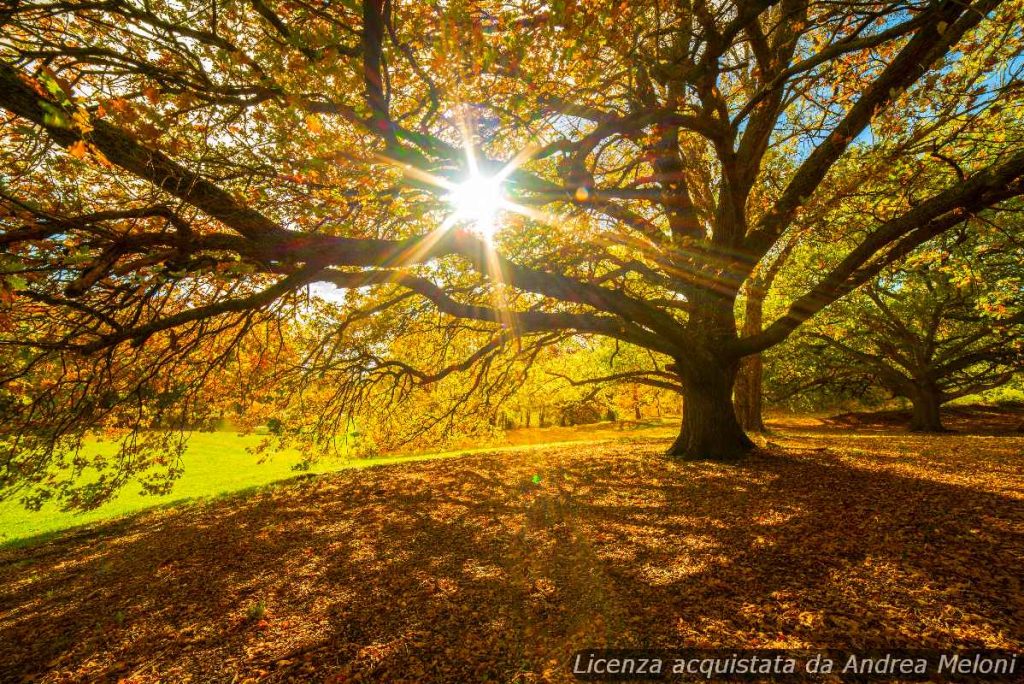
747,399
926,416
748,393
710,430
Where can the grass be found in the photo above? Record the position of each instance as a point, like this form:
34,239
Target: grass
218,463
498,566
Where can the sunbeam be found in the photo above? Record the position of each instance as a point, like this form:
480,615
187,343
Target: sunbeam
478,200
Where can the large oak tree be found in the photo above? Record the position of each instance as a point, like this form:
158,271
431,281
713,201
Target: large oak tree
173,171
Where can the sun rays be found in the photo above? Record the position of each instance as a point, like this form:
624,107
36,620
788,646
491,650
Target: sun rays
478,201
477,196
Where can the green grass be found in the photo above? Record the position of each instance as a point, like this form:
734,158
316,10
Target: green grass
216,463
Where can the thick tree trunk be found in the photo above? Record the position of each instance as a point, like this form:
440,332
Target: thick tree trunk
710,430
926,416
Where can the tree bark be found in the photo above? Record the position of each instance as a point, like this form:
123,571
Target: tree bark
926,411
747,399
710,430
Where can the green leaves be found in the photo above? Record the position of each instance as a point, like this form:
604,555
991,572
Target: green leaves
49,81
54,116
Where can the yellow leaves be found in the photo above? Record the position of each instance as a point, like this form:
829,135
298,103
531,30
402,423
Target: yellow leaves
314,124
809,619
82,121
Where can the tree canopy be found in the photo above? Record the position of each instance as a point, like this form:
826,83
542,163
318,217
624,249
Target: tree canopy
478,179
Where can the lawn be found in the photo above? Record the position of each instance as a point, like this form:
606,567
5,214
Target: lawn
215,463
497,567
218,463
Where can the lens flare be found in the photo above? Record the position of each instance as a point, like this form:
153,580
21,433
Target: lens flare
477,201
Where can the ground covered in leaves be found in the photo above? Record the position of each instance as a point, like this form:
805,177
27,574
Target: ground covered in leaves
497,568
972,418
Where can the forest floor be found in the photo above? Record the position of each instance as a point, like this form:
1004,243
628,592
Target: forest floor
969,418
497,567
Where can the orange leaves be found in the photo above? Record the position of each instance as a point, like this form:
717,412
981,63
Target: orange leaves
314,124
78,149
120,105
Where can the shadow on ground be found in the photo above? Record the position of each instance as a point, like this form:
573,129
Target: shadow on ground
471,569
967,419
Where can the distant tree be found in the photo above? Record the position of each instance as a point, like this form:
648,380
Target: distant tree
503,175
948,323
617,373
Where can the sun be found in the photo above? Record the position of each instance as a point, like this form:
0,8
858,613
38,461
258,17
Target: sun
477,201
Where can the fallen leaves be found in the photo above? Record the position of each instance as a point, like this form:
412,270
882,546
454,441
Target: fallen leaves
469,569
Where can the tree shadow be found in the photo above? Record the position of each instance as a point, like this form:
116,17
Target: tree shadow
966,419
500,567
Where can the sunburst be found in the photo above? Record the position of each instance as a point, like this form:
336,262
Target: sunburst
479,202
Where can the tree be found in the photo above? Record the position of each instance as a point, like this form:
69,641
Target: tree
947,324
748,397
174,169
